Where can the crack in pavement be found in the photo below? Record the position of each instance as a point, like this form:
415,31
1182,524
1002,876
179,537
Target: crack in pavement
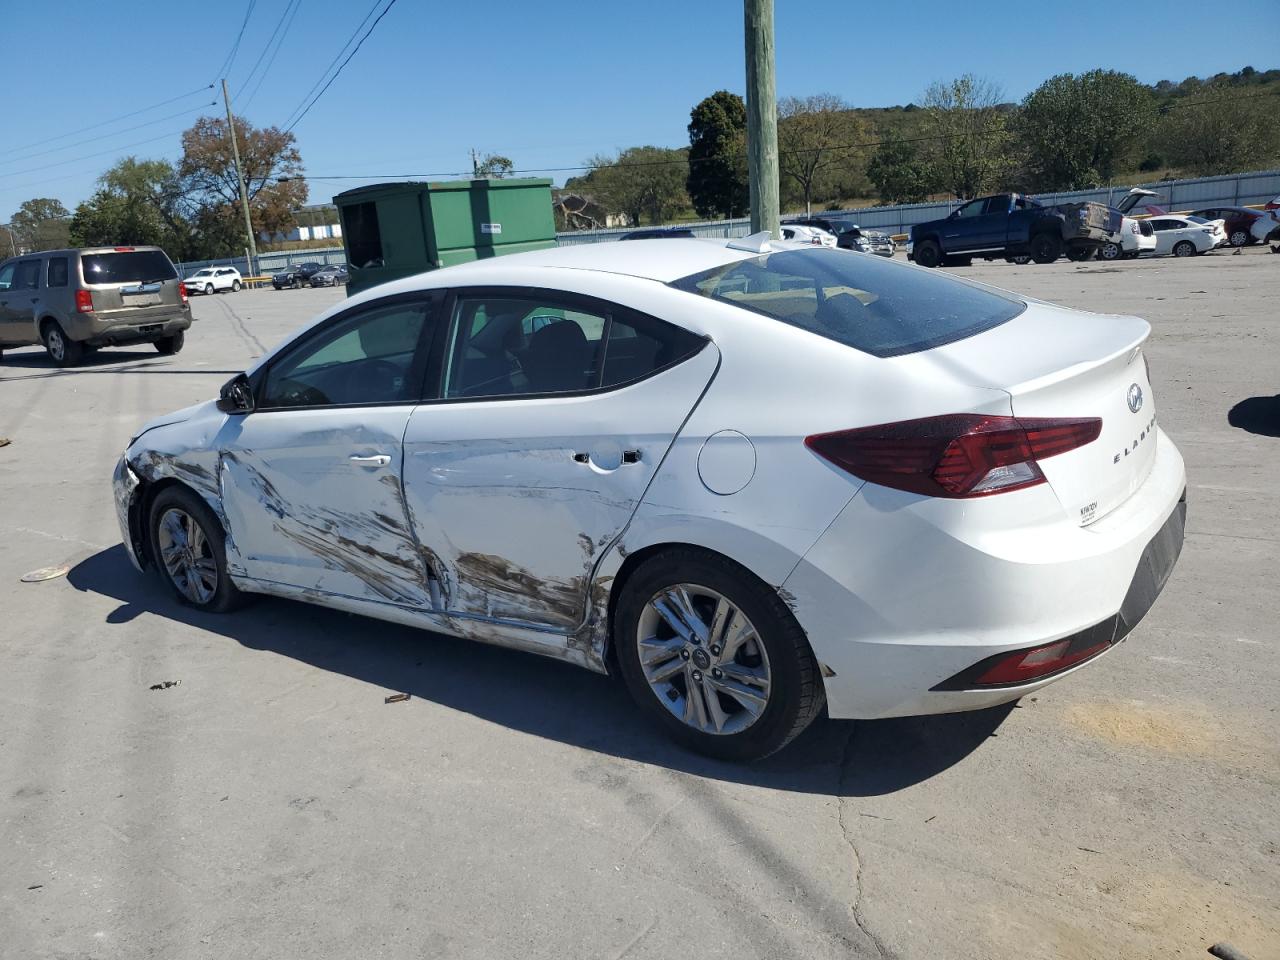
855,908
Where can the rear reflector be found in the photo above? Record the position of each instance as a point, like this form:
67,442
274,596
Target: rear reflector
84,301
1035,663
957,455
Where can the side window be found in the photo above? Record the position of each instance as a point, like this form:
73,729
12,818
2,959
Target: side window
504,346
6,275
973,209
366,358
638,344
998,205
57,272
28,275
1159,224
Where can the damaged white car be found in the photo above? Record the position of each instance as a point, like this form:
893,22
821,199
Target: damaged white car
751,478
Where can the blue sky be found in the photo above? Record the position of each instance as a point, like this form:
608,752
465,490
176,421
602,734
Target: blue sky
548,84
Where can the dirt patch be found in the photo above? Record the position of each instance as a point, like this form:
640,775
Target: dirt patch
1132,723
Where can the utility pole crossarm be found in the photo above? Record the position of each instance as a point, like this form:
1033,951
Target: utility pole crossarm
244,194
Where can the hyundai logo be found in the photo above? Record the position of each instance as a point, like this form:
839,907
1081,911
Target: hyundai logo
1135,398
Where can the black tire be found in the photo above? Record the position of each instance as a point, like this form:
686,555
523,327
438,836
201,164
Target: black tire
208,289
1111,251
62,350
1021,259
1184,248
1080,254
225,596
1046,247
171,344
928,254
235,286
1239,238
795,692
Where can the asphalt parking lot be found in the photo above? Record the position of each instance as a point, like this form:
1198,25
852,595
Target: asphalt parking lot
270,804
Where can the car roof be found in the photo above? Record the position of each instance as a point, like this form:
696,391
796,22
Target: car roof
663,259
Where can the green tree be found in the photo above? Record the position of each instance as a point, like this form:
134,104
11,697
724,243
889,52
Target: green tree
272,171
141,202
1220,130
492,166
640,182
1079,131
814,137
41,224
717,181
970,149
900,173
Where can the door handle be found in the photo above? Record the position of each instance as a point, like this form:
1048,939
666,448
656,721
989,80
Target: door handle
377,460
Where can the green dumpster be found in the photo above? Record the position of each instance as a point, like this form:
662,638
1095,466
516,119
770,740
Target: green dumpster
392,230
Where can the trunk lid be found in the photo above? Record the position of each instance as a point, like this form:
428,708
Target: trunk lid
1055,362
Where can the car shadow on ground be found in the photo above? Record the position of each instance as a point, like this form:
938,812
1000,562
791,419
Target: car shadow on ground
546,698
1260,415
112,361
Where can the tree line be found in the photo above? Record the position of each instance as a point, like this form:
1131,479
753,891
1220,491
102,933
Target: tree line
963,139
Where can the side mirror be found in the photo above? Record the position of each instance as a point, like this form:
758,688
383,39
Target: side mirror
236,395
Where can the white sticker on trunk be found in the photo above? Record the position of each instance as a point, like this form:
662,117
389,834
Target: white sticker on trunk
490,228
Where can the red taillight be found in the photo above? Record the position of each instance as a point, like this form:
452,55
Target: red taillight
956,455
182,291
84,301
1027,665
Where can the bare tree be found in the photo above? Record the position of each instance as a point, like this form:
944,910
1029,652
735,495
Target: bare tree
970,150
814,135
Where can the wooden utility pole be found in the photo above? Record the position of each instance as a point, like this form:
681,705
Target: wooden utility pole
762,118
244,194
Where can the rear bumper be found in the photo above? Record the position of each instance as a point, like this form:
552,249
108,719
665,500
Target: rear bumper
898,602
97,330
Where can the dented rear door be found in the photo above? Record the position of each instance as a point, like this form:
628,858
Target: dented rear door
514,499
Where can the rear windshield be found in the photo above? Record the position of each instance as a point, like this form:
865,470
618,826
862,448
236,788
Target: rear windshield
125,267
865,302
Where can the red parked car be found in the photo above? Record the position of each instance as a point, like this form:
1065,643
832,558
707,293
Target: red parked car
1239,222
1273,204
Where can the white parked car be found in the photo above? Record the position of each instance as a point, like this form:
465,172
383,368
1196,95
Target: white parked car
211,279
752,477
1184,236
1266,228
1134,238
811,235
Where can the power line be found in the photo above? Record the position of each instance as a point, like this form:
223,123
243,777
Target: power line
372,27
114,133
334,62
235,47
103,123
296,6
89,156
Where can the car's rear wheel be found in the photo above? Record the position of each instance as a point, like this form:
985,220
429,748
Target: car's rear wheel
1110,251
714,656
1240,237
171,344
62,350
1184,248
1080,254
928,254
208,289
190,551
1046,247
235,286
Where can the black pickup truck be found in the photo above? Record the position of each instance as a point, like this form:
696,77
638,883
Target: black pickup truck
1012,226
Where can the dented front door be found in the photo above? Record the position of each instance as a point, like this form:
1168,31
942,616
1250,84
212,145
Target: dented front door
313,500
513,500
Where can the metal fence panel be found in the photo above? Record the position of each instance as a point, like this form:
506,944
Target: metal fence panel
268,262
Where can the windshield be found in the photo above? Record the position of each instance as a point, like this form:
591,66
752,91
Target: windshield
868,303
127,266
203,273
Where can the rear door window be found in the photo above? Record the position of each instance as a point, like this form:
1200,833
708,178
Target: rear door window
871,304
57,271
126,266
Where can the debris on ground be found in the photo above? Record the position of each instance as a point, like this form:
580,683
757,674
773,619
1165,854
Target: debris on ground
396,698
165,685
46,573
5,441
1225,951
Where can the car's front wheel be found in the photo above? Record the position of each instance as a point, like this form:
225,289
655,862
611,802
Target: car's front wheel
208,289
190,551
927,253
714,656
1080,254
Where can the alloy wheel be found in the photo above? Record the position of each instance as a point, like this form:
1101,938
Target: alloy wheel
1239,238
187,555
57,345
703,659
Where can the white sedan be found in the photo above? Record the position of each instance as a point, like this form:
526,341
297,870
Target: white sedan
815,236
754,478
1185,236
212,279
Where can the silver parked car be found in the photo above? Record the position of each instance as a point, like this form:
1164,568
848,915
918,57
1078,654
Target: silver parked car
74,301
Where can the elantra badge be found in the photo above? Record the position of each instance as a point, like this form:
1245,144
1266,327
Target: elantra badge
1135,398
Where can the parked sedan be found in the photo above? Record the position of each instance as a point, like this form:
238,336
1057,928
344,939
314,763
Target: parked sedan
811,235
755,478
1238,222
212,279
1183,237
330,276
295,276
